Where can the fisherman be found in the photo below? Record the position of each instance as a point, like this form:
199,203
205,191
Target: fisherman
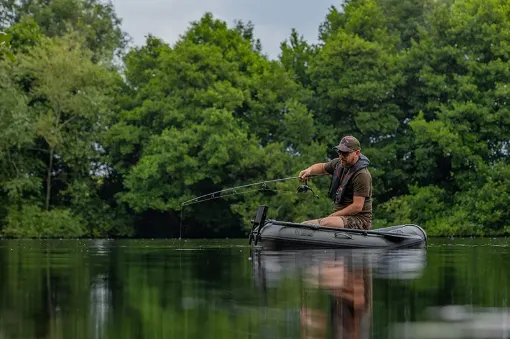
351,186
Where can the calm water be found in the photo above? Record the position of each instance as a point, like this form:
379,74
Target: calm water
224,289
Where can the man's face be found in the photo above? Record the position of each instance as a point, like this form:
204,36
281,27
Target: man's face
348,158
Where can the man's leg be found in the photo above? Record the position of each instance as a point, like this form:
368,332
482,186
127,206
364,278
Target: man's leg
327,221
333,222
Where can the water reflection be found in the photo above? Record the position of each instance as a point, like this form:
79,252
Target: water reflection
346,279
224,289
457,322
100,301
350,291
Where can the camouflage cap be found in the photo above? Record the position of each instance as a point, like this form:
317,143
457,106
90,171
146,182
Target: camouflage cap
348,144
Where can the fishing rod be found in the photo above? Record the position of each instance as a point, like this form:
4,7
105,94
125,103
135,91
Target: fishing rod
234,190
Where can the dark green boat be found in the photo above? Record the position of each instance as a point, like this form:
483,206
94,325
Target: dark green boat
274,234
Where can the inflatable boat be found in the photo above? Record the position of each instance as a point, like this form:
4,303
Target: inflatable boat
274,234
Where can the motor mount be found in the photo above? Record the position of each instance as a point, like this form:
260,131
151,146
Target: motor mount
257,223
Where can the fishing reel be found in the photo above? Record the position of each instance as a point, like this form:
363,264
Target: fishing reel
303,188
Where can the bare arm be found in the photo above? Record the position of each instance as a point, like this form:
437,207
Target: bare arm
352,209
313,170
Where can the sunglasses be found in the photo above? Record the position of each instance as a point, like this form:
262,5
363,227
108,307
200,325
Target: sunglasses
343,154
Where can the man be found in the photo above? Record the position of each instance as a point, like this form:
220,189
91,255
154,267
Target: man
351,186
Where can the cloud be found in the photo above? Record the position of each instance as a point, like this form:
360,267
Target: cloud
273,19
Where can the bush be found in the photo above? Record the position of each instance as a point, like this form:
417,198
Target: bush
33,222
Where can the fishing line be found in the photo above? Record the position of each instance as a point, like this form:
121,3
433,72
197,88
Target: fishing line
213,194
234,191
244,192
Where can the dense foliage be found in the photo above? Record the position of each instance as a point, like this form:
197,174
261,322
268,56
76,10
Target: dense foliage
88,149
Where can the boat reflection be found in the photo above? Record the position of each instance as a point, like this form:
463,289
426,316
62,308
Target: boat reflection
344,278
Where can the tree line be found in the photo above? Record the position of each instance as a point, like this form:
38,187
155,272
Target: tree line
97,148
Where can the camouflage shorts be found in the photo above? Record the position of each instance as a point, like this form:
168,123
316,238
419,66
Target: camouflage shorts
357,222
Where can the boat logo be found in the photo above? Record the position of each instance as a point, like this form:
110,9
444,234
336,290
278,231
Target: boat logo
305,233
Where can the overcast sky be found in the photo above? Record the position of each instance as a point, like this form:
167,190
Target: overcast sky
273,19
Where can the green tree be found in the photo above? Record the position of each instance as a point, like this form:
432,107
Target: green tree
96,21
295,56
5,50
208,114
458,72
58,104
367,18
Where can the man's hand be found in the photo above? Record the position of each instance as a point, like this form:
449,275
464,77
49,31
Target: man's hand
312,170
304,174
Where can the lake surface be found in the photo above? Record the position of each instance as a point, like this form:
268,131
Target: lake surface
455,288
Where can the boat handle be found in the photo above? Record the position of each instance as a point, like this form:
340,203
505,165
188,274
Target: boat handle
338,234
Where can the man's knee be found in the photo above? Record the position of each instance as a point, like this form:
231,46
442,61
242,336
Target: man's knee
333,222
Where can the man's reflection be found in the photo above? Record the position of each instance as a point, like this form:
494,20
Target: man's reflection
350,291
